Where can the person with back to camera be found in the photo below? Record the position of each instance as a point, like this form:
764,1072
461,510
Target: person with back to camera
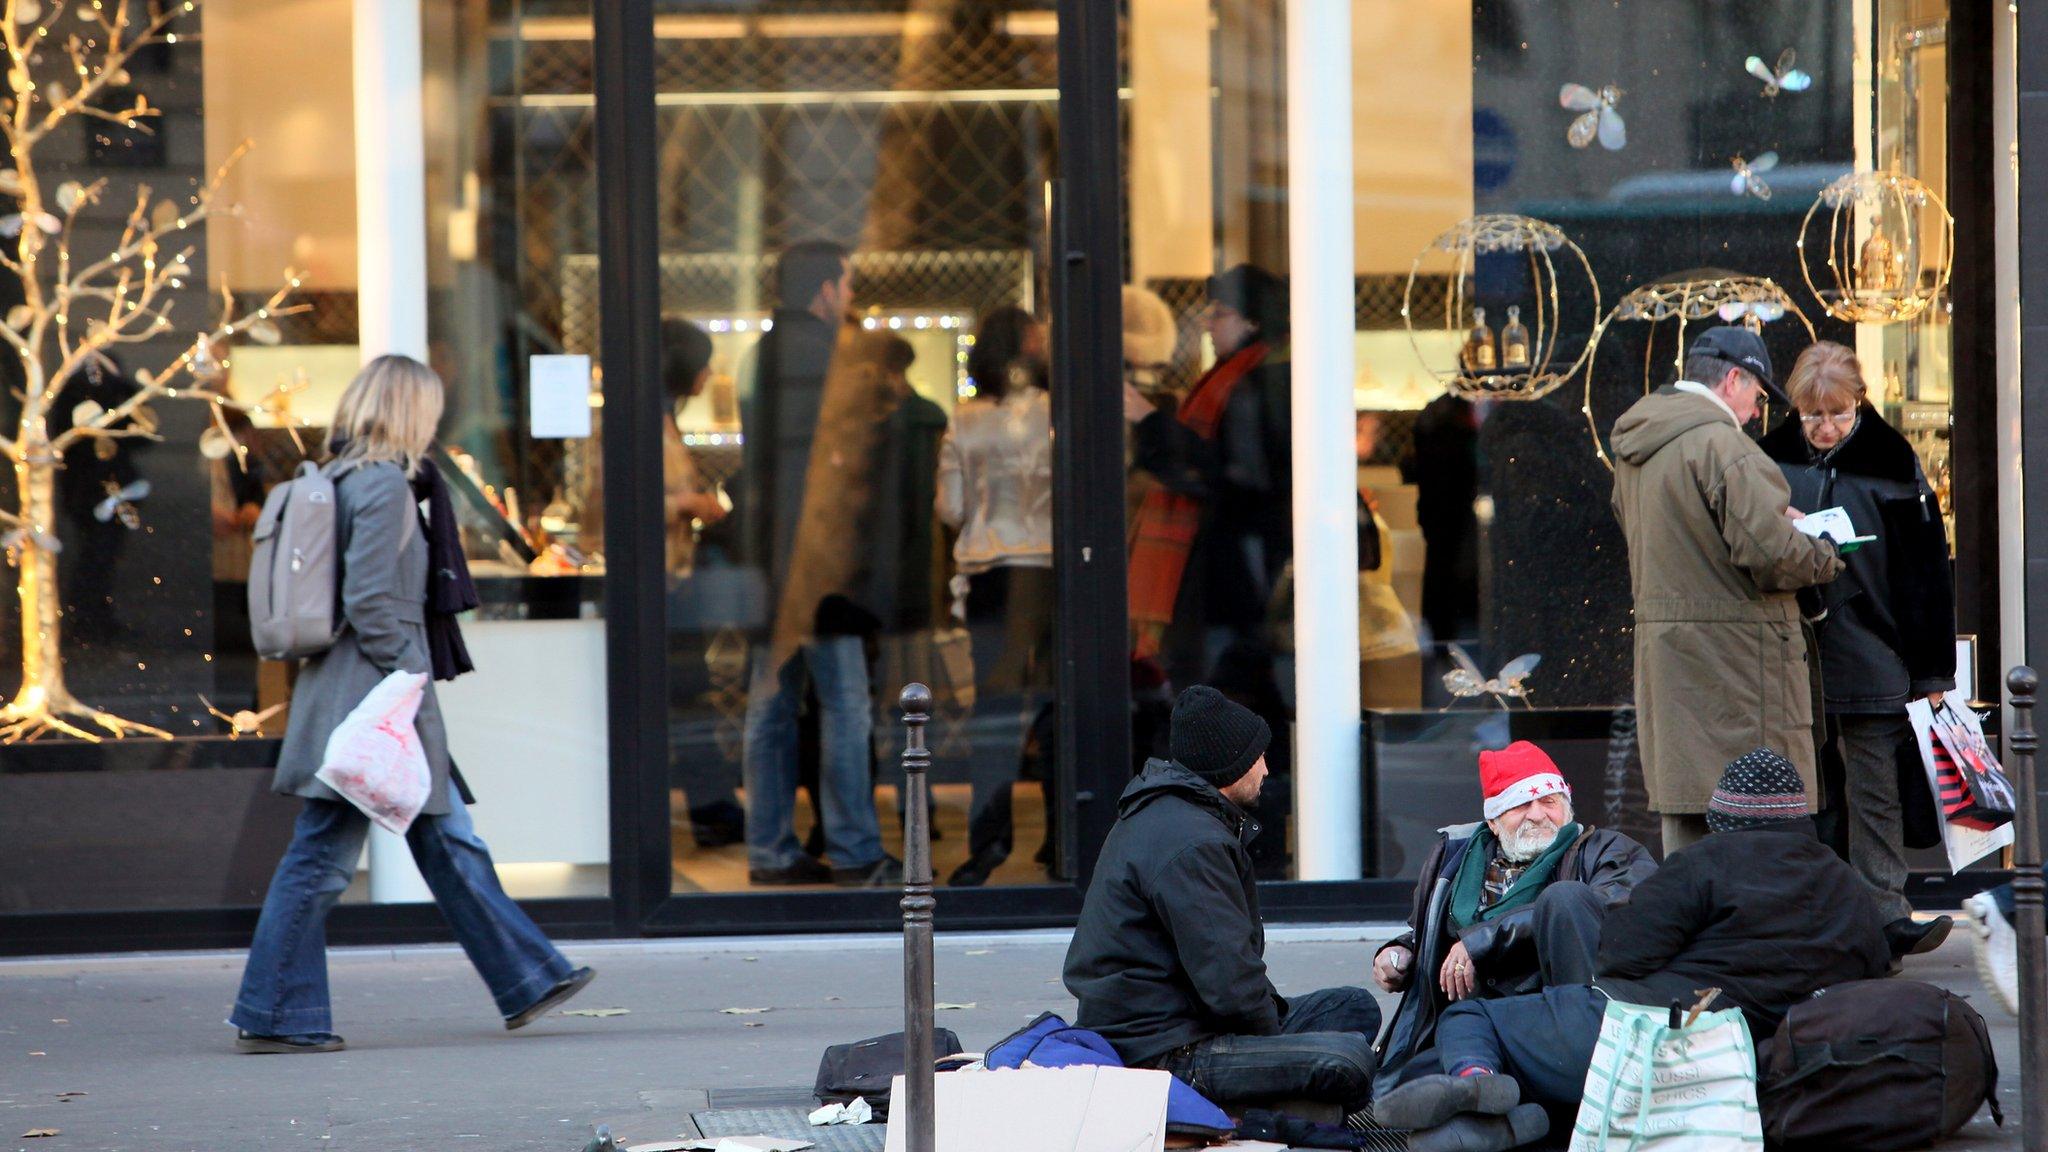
1887,626
1714,561
402,581
995,488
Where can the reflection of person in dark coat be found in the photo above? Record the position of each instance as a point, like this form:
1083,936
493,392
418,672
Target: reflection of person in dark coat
1209,544
1531,942
85,480
1444,467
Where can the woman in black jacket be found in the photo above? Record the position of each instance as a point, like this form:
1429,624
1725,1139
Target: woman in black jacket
1887,625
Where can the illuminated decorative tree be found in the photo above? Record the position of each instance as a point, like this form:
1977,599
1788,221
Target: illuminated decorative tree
80,305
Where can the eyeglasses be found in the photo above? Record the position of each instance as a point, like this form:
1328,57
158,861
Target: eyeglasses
1838,419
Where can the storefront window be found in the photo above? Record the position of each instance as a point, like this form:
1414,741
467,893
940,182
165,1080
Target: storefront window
145,627
1491,535
857,449
513,325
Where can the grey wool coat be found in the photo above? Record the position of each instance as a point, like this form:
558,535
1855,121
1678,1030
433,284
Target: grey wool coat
384,608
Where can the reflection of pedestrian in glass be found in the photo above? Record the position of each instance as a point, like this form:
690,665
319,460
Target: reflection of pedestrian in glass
995,487
1444,467
1209,544
1886,626
688,506
807,405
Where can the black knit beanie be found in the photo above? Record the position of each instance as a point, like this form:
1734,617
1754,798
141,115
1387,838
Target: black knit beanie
1760,788
1215,737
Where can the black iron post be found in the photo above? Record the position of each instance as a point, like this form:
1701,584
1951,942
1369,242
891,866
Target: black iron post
2027,919
920,1111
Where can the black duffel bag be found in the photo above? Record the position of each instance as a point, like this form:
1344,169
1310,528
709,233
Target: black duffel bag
1875,1065
865,1068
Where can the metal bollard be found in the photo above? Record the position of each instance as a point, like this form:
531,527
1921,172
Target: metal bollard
919,1108
2028,916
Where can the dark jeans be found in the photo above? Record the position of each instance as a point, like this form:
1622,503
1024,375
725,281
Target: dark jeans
1009,614
1323,1053
1544,1040
1567,936
284,985
2002,896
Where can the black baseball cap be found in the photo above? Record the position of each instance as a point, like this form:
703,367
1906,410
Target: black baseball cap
1735,345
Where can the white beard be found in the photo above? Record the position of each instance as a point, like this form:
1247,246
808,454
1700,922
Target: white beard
1527,842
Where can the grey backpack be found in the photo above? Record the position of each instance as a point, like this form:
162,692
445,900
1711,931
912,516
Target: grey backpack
295,574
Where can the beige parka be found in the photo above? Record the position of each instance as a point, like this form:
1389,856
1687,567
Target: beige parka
1721,664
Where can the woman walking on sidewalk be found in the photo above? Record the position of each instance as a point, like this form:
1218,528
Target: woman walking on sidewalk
402,582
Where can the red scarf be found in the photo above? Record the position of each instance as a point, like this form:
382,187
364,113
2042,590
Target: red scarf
1163,534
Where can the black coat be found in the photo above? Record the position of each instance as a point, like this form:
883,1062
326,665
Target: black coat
1887,625
1502,950
780,415
1768,915
1244,477
1170,949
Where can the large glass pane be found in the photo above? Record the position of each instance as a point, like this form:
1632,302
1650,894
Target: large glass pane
138,744
858,452
1485,527
513,320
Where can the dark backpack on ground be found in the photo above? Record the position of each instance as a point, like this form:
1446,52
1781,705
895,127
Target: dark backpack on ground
865,1068
1876,1065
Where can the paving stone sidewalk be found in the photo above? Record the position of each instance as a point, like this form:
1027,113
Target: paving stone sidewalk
429,1066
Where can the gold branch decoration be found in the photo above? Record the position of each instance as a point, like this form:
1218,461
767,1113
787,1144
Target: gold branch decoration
79,305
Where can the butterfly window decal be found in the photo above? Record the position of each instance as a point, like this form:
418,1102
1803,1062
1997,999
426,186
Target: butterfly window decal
1749,180
120,502
1466,680
1597,118
1782,78
244,722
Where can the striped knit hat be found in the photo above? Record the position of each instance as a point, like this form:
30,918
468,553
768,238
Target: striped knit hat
1761,788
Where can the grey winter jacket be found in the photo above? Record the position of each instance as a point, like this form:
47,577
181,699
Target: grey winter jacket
1887,624
384,607
1502,951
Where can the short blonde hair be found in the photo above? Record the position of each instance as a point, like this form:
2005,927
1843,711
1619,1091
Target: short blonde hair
388,413
1826,378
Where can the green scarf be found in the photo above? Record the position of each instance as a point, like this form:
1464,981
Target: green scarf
1470,883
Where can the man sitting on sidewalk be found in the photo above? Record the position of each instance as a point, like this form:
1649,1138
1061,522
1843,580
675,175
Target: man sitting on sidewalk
1760,909
1504,908
1168,958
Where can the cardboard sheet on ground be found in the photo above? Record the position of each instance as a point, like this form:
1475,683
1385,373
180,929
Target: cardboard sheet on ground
1082,1109
1965,846
747,1144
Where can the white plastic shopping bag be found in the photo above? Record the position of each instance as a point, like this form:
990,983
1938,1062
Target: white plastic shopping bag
1653,1088
1964,845
374,758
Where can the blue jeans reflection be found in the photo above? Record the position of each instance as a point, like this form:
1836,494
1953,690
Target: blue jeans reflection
853,833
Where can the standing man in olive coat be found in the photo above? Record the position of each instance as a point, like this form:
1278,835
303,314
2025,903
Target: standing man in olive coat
1721,664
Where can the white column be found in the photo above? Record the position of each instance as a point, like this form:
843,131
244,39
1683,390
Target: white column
391,262
1320,255
2012,512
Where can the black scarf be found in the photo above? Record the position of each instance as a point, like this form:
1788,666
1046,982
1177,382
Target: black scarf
450,591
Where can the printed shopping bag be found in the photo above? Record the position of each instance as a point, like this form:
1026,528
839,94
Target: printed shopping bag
374,758
1973,789
1654,1088
1965,845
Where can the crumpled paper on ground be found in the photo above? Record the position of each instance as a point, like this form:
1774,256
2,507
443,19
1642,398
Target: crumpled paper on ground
858,1112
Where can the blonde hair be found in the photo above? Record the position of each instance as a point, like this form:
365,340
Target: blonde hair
1826,377
388,413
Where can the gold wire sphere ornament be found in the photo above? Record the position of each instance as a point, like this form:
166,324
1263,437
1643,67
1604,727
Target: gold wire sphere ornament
1702,295
1494,234
1890,245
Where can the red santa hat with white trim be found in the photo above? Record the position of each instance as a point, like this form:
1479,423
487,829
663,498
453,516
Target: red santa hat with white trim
1517,774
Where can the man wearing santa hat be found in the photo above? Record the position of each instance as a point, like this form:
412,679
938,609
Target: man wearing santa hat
1504,907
